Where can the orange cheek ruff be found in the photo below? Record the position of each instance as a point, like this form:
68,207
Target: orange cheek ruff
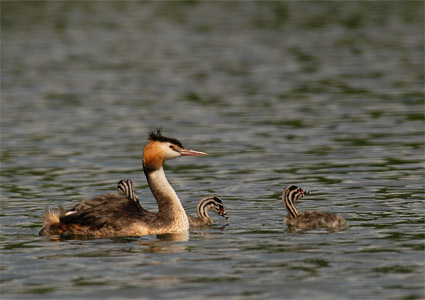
152,158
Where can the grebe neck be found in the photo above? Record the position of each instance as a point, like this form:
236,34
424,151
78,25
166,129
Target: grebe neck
168,202
292,211
202,210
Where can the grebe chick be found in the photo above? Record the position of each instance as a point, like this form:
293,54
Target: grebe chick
213,203
126,187
308,219
119,215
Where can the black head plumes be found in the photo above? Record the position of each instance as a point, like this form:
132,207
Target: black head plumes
160,138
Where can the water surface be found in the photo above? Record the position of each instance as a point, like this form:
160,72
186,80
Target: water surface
325,95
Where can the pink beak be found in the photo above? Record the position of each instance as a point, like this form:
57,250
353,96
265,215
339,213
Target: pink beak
186,152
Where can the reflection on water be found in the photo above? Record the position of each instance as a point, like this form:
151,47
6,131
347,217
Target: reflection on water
164,245
324,95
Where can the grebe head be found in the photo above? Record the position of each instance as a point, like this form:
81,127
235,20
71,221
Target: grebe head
294,193
218,207
161,148
213,204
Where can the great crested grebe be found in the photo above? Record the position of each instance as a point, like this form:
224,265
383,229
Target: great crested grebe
119,215
212,203
308,219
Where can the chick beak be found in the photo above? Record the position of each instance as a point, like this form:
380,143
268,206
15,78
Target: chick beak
222,213
304,192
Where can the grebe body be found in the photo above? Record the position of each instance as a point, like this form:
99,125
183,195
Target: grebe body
118,214
308,219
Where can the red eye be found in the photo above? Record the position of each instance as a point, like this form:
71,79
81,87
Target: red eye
171,147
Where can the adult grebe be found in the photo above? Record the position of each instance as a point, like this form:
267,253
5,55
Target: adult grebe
308,219
212,203
119,215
